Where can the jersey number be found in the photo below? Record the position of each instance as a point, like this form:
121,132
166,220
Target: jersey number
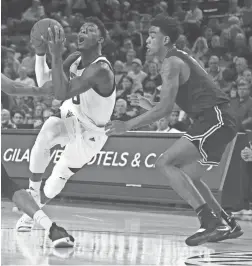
76,99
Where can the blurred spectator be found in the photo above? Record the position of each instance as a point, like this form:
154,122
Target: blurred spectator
35,12
37,122
55,105
153,79
135,36
193,21
168,123
125,88
18,118
247,74
23,78
243,105
240,66
38,111
240,46
127,46
120,111
119,71
131,54
136,73
214,70
208,35
46,114
6,120
182,44
179,13
28,119
200,49
11,62
216,48
29,61
233,7
246,155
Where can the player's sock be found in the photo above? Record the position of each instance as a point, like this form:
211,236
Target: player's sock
226,217
34,185
205,213
42,219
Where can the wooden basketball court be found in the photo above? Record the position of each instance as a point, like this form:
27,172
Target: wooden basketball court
120,235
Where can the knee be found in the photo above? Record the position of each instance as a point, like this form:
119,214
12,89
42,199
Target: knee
47,134
162,162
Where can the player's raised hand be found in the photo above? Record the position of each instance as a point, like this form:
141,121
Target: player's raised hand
56,41
115,127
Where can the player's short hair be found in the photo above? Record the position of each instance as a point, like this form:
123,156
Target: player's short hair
168,26
99,24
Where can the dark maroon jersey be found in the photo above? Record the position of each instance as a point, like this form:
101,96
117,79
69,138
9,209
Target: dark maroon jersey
199,92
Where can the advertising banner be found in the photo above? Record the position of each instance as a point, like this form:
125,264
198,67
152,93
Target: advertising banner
125,160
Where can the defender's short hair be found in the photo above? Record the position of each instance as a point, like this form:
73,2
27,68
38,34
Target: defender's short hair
99,24
168,26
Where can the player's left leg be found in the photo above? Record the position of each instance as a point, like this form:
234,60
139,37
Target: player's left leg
76,154
25,202
176,164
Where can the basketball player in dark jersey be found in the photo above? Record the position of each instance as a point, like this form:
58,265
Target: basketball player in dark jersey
185,82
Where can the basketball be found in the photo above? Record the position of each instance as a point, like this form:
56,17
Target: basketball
41,29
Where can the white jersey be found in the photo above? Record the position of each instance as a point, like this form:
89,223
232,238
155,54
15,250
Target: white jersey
91,109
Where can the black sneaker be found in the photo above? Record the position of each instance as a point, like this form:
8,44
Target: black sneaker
60,237
213,229
235,231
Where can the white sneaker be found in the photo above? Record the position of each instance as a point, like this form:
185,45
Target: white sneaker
26,223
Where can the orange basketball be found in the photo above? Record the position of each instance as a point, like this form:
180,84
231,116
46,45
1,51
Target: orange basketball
41,29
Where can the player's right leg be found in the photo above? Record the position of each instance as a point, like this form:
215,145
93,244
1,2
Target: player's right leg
52,133
180,166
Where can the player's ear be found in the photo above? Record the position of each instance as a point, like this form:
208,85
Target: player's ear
166,40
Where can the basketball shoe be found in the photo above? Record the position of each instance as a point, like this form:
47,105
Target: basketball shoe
234,232
211,228
60,238
25,222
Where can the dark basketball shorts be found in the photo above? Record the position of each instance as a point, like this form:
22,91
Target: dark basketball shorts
212,132
8,186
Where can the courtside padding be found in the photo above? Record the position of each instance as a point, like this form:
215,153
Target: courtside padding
123,171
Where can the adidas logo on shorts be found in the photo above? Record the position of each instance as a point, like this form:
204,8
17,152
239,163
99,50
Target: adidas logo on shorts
69,114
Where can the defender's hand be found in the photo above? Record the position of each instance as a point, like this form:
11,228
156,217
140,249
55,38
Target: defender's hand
116,127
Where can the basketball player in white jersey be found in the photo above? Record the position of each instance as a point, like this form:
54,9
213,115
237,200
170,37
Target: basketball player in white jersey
86,84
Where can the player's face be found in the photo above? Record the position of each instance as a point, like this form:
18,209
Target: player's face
89,36
155,41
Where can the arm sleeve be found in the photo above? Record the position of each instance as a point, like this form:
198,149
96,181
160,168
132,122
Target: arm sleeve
42,71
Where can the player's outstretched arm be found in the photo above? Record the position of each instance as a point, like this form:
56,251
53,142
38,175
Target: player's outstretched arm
11,87
170,83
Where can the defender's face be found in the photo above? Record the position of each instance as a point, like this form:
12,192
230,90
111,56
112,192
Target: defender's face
155,40
88,36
